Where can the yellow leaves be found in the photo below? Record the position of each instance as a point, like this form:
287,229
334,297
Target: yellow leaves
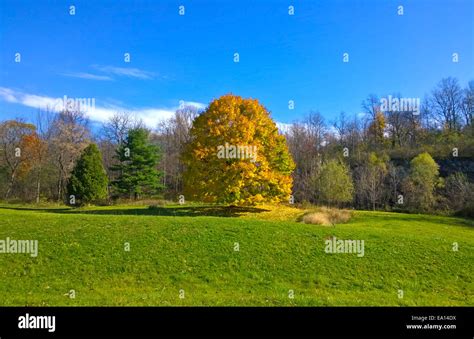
243,124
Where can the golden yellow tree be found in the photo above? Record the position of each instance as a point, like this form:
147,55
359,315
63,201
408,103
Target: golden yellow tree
236,155
377,128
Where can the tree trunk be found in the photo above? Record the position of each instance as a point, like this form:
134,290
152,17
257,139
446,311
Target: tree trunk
10,185
60,188
38,189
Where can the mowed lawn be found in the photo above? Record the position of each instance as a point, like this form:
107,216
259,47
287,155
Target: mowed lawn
192,248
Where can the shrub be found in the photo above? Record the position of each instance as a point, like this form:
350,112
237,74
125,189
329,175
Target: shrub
337,216
317,218
328,217
158,204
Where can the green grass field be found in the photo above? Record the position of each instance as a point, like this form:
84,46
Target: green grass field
191,248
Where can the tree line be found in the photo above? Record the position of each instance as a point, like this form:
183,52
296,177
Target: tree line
381,159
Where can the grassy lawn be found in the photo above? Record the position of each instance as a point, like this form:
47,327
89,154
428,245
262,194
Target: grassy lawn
191,248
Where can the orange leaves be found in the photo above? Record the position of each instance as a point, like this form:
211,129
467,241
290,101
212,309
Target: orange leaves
33,150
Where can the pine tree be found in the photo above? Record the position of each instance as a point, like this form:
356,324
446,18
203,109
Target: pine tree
138,159
88,182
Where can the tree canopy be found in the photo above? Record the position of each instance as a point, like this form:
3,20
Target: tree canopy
236,155
334,183
422,181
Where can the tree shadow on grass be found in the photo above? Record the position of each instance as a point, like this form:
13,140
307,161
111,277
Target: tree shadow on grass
174,211
180,211
38,209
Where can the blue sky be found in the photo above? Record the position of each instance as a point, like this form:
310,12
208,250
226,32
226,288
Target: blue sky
191,57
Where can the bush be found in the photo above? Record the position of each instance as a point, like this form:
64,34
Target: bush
317,218
337,216
158,204
328,217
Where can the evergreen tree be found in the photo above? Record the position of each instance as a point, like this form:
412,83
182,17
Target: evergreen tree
88,182
138,173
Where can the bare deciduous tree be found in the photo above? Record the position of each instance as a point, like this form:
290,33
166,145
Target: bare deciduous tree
445,104
69,136
172,135
467,107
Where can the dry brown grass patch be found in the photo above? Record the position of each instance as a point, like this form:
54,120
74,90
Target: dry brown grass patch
327,217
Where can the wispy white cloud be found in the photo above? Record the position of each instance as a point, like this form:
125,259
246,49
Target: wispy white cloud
151,116
7,94
30,100
198,105
126,71
110,72
88,76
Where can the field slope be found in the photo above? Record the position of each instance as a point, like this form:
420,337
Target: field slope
193,249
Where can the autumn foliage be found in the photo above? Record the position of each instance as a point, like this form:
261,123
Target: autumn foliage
217,167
